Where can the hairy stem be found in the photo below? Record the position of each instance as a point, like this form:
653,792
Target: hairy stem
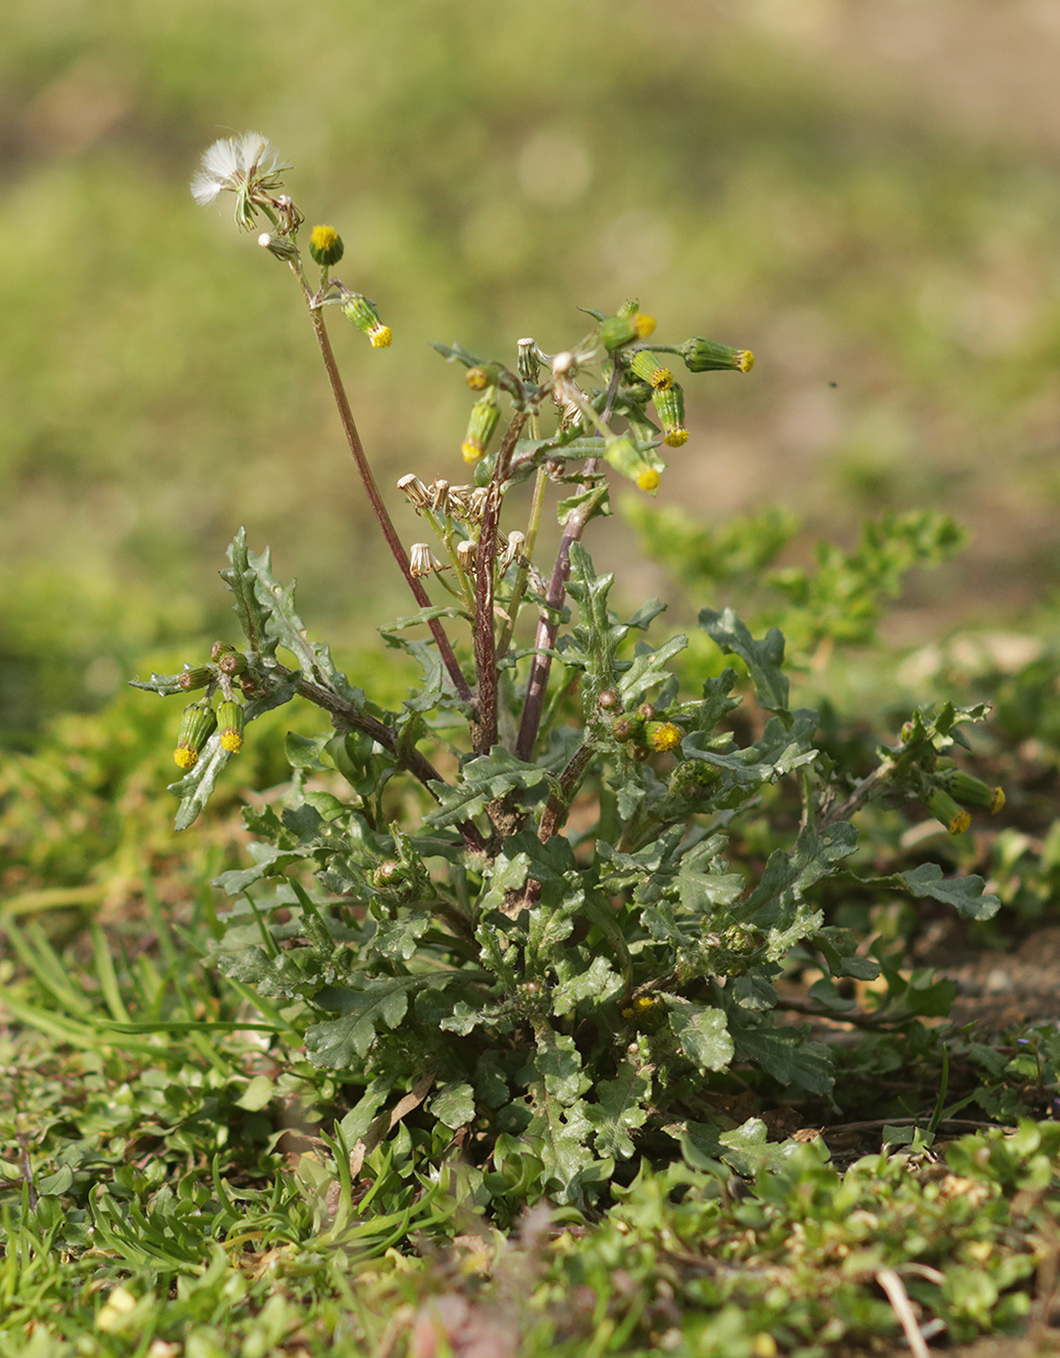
859,796
353,438
548,625
484,727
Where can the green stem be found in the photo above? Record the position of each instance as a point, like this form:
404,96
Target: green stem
860,794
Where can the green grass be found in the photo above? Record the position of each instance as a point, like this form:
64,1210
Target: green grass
175,1180
170,1181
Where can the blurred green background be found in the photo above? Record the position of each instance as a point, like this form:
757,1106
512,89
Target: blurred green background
866,194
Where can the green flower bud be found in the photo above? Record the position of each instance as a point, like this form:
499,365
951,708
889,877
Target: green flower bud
230,724
197,725
971,791
693,777
740,938
363,314
703,355
625,728
647,367
608,700
220,648
195,678
624,329
646,712
483,375
325,245
232,663
669,405
485,415
642,468
944,808
388,874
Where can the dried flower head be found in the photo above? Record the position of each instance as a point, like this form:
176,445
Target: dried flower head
467,554
246,166
414,488
422,560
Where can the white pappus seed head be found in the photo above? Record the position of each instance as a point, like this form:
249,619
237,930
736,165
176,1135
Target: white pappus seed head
233,163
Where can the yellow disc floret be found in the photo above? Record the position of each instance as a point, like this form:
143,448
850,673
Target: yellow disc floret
324,237
664,735
381,337
325,245
675,438
185,759
648,479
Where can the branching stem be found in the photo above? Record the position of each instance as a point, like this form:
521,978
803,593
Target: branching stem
416,763
548,626
859,796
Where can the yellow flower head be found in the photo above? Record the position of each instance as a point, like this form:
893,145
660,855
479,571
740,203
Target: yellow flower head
325,245
664,735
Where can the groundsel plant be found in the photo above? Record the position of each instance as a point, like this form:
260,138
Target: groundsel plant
505,917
